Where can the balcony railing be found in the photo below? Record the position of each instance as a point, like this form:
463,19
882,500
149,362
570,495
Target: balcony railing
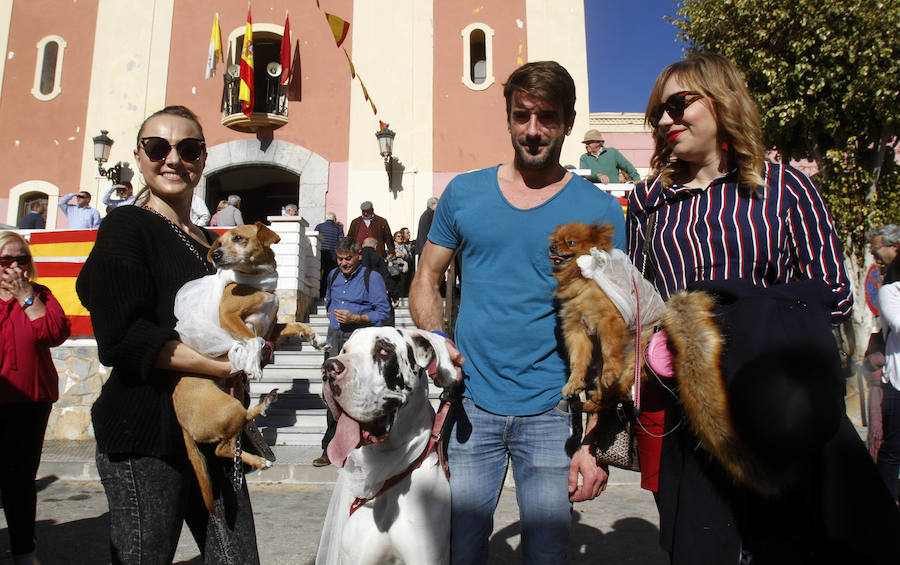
270,107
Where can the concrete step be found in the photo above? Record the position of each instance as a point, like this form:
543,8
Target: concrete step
297,418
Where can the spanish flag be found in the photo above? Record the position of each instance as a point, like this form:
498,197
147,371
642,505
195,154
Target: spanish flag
338,26
246,91
215,48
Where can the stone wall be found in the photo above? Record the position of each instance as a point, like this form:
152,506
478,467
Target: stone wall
80,377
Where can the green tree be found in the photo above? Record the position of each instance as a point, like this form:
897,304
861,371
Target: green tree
826,75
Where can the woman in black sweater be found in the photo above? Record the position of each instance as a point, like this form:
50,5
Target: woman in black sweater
142,256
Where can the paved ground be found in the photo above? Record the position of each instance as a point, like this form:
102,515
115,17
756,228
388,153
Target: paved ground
620,527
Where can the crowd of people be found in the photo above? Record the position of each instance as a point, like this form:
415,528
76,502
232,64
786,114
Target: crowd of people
713,215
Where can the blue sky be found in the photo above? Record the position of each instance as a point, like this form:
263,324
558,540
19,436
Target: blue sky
628,44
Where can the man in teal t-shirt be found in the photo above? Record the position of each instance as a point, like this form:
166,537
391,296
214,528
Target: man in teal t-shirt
604,162
508,342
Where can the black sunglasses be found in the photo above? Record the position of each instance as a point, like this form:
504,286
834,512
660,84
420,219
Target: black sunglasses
674,106
157,148
7,260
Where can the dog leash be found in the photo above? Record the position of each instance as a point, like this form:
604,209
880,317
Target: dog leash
433,441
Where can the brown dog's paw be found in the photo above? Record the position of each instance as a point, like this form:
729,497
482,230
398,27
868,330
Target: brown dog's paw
590,407
267,401
572,388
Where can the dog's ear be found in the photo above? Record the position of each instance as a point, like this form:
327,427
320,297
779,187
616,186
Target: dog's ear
429,347
216,244
266,236
603,234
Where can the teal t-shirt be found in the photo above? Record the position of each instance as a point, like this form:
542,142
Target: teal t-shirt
508,325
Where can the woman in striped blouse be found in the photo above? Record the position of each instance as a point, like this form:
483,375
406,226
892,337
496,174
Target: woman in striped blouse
720,212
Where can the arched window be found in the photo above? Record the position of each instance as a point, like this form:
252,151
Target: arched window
478,64
48,67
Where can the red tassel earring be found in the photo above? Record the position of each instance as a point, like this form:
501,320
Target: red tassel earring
724,146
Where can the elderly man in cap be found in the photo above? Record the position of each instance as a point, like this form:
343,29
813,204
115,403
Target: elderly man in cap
369,225
604,162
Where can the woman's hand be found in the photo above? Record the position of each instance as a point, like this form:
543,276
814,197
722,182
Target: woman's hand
14,280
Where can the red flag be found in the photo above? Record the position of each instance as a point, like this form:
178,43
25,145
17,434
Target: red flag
245,93
382,125
286,51
339,28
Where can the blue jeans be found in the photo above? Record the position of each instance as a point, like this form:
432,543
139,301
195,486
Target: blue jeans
481,446
889,453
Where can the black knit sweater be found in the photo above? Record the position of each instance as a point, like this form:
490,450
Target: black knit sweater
128,284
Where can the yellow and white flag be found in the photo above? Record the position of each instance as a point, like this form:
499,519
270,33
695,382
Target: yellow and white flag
215,48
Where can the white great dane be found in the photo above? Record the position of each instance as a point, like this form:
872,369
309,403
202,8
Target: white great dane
391,503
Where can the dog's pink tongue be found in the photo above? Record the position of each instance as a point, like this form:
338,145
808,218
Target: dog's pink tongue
345,440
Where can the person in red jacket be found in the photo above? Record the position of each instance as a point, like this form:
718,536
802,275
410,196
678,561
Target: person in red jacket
31,322
370,225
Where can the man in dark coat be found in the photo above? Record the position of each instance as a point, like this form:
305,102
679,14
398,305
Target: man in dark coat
369,225
425,224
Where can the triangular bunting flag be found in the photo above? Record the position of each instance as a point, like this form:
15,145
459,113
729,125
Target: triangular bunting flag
338,26
352,68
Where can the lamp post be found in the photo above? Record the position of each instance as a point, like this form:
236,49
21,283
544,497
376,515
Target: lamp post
102,145
386,146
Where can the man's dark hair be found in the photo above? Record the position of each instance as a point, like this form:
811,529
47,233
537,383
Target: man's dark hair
347,245
35,205
545,80
125,183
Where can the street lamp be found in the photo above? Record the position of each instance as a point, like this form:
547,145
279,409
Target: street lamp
102,145
386,146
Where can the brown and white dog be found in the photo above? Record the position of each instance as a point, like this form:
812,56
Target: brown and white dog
246,312
588,314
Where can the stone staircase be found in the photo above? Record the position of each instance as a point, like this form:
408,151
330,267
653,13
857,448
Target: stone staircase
298,416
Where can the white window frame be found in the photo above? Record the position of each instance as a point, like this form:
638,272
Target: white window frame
39,64
488,55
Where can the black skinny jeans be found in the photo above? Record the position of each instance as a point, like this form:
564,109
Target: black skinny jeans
22,427
889,454
149,499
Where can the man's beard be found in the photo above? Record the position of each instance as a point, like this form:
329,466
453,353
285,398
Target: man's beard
548,158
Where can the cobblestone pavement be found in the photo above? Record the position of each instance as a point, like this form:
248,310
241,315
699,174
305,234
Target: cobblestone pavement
620,527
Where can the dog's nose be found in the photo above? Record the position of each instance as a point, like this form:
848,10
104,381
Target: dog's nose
552,249
217,255
331,369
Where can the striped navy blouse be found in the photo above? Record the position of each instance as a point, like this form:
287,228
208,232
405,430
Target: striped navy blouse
717,234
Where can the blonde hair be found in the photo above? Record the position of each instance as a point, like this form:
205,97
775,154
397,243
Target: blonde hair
736,114
8,237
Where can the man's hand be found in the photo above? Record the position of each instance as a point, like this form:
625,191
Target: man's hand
593,476
603,179
345,317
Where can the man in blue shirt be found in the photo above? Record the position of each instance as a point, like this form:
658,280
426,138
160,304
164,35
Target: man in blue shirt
356,298
76,207
508,343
